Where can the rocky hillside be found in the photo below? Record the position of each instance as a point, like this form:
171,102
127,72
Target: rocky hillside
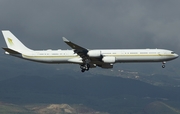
6,108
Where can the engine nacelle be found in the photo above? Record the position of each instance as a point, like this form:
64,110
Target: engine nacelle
94,53
109,59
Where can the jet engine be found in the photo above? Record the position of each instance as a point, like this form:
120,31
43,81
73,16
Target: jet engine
109,59
94,53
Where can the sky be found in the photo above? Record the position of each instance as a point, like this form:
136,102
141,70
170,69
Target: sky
41,24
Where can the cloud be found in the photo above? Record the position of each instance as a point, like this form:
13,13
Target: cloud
93,24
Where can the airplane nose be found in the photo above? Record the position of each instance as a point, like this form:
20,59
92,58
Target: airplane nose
176,55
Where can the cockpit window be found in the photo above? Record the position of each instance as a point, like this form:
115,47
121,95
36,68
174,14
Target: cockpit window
172,52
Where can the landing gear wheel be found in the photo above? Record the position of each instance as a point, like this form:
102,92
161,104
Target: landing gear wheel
85,67
82,67
163,66
82,70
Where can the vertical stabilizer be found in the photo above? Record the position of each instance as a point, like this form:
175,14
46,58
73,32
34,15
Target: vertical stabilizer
13,43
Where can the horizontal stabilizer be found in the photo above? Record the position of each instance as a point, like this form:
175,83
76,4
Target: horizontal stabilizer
10,51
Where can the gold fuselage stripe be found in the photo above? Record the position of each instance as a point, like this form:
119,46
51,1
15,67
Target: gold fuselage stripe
115,55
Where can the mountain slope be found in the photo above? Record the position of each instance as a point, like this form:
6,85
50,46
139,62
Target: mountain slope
103,93
159,108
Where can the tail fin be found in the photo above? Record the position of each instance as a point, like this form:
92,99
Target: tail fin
13,43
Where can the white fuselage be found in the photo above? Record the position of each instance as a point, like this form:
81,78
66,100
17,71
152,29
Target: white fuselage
104,58
121,55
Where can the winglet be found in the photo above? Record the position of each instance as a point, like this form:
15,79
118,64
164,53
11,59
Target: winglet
65,40
73,45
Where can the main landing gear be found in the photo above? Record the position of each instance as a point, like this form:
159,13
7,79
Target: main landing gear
85,67
163,64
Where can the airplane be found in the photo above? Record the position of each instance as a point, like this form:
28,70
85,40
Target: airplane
86,58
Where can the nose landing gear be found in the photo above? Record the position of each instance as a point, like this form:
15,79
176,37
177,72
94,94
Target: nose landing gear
163,64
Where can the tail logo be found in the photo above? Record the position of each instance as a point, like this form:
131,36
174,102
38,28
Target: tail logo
10,41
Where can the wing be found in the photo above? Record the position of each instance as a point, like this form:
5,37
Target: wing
88,61
82,52
73,45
